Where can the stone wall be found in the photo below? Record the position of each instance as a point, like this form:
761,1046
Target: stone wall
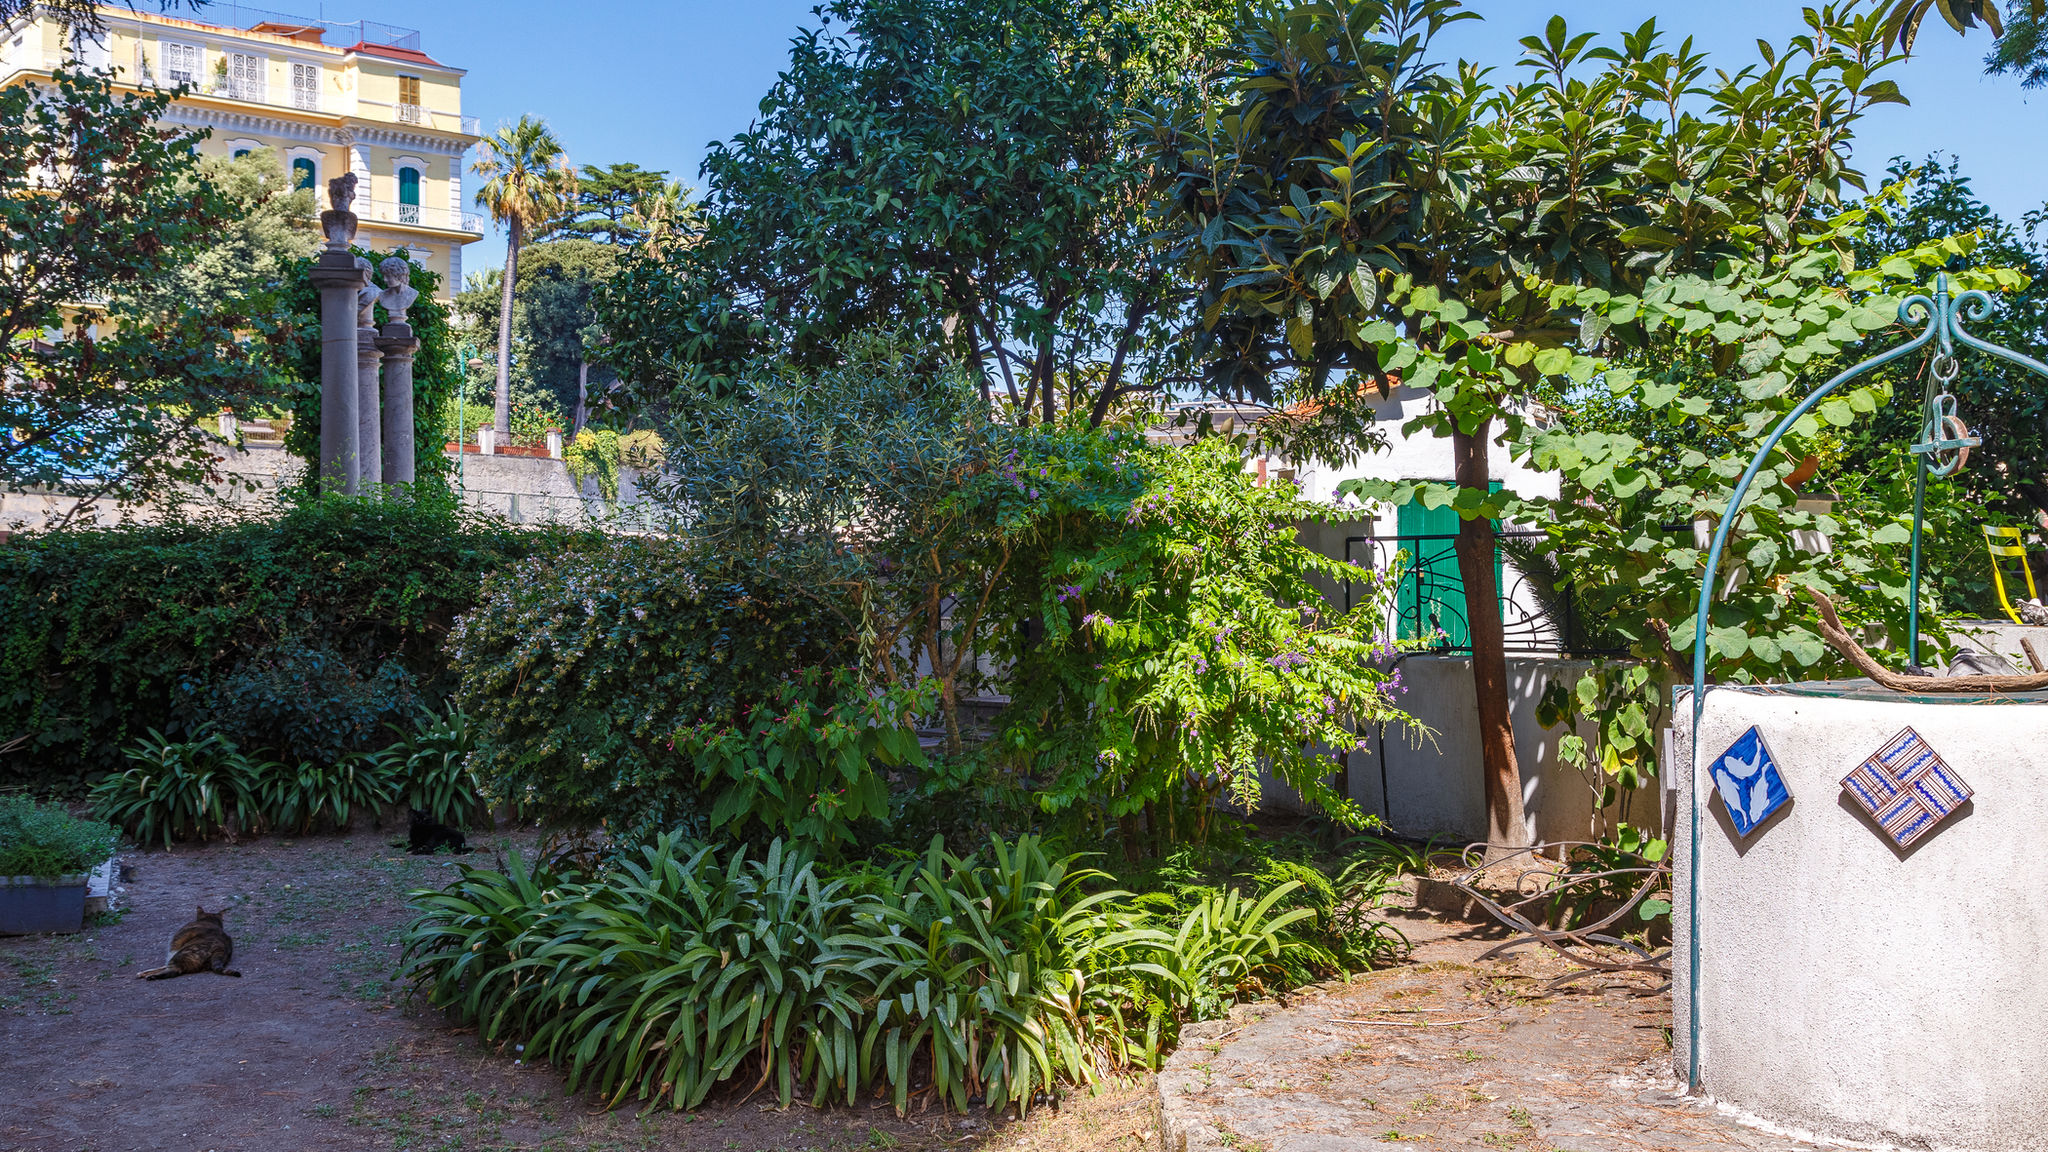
521,489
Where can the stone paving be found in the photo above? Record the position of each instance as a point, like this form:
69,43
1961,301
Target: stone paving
1445,1052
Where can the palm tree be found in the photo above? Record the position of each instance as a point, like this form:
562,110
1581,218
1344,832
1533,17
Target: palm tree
667,219
527,182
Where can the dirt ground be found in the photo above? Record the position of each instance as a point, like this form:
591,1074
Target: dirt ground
1449,1051
316,1046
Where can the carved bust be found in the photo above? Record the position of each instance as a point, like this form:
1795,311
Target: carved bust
398,293
338,223
366,296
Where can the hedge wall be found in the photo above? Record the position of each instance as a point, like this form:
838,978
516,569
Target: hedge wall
107,633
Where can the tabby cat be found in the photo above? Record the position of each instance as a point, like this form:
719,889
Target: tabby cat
201,946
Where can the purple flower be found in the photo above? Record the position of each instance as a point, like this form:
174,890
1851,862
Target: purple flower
1068,592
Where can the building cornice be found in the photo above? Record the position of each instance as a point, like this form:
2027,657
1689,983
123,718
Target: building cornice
392,136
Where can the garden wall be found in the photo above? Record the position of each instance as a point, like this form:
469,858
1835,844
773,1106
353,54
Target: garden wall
520,489
1432,785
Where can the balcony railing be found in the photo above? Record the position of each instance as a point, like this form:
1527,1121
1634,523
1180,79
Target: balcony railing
253,91
424,117
422,215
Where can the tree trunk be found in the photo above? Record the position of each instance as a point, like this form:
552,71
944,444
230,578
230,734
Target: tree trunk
503,420
1505,830
1042,373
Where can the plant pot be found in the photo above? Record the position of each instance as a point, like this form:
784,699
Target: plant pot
41,904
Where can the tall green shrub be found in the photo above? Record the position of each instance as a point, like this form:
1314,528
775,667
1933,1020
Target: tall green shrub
601,684
1178,649
105,634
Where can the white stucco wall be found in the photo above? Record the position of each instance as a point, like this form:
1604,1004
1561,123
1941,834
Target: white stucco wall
1853,990
1418,457
1434,785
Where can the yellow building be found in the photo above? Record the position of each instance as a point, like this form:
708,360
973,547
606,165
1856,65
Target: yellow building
328,97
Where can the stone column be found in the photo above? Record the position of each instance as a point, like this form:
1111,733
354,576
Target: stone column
338,279
369,418
398,346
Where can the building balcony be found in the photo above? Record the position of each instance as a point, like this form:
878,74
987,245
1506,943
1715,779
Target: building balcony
307,100
417,216
421,116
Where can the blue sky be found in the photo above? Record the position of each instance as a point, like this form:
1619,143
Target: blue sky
653,82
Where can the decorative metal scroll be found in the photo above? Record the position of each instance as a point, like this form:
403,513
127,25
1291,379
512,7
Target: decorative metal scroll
1942,448
1591,948
1430,602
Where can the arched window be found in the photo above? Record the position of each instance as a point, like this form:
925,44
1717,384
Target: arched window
241,152
409,195
302,173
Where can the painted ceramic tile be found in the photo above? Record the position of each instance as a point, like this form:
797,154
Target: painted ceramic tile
1748,781
1907,788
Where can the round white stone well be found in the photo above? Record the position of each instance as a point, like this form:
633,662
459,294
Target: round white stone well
1849,989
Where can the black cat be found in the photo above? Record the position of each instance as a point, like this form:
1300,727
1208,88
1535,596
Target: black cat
430,836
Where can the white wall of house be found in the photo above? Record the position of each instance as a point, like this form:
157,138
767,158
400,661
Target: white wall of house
1429,783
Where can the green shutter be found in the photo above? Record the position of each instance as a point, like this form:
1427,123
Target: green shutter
1431,596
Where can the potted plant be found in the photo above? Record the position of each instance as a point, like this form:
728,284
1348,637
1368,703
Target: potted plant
45,856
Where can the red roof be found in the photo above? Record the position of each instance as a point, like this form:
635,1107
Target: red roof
408,54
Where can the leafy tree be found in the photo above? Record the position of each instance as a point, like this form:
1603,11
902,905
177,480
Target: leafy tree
961,170
665,220
2023,50
2005,405
606,199
1795,320
1180,647
853,482
112,365
1338,169
527,178
552,322
1903,18
270,229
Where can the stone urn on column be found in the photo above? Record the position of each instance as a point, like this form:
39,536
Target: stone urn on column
398,345
336,276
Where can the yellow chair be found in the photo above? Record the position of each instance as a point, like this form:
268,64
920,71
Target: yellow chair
2009,543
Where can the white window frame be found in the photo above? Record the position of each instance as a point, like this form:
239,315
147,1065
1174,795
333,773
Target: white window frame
319,160
407,213
410,113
